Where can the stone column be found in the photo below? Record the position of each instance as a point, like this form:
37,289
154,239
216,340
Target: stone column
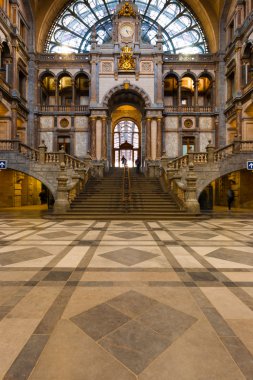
93,87
238,73
104,139
14,119
73,101
239,121
159,139
159,93
179,93
56,93
93,137
148,138
191,202
15,91
196,93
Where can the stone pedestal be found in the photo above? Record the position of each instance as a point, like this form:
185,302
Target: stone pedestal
61,204
191,202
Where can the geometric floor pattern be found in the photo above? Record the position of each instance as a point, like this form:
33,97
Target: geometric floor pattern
126,300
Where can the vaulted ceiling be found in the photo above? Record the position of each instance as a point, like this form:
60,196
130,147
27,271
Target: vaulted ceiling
207,11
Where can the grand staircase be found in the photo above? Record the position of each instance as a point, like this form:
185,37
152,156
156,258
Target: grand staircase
102,199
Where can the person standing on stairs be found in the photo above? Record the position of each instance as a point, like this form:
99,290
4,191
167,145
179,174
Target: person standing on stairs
123,160
138,164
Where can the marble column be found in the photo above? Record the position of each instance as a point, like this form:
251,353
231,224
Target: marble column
148,138
104,139
14,114
93,87
159,94
73,100
93,137
14,68
56,102
159,139
196,93
239,122
179,93
238,73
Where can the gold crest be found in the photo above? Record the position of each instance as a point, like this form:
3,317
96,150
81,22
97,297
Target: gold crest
127,10
126,60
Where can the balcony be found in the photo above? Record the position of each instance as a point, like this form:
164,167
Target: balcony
63,109
188,109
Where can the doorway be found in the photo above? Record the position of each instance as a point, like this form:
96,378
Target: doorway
126,142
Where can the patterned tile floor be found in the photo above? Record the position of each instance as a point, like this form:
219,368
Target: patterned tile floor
90,300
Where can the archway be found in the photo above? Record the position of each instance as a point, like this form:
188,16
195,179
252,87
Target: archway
126,131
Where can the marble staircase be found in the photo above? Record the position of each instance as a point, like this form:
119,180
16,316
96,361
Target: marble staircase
102,199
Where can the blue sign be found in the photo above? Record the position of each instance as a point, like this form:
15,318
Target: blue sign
250,165
3,164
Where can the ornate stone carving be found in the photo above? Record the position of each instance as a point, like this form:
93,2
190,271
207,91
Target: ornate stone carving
126,60
146,67
107,67
127,11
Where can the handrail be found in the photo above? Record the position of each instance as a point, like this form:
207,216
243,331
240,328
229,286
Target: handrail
126,187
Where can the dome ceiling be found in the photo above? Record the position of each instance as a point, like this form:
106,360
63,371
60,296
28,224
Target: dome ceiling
208,12
71,31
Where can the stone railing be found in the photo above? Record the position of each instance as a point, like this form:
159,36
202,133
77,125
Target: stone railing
178,190
47,57
59,108
246,146
224,152
188,109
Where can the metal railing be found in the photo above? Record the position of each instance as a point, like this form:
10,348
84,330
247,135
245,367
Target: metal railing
126,188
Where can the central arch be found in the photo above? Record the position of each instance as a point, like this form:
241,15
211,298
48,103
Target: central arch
127,134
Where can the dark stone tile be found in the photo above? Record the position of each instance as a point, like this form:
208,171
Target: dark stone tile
134,345
165,283
190,284
57,276
57,235
128,256
96,283
233,255
20,255
27,359
202,276
218,323
132,303
127,235
31,283
199,235
167,321
229,284
99,321
240,354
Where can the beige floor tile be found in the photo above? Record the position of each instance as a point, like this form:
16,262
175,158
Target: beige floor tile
14,333
88,297
7,292
197,355
244,330
36,303
73,257
16,275
249,291
239,276
72,355
130,276
227,304
184,258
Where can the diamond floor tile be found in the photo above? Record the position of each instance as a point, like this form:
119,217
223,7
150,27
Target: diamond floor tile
128,256
20,255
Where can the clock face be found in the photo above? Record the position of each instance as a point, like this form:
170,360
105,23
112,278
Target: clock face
127,30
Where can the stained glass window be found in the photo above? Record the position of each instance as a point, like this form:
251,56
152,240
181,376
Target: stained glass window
71,31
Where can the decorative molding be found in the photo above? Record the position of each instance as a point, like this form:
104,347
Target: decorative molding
107,67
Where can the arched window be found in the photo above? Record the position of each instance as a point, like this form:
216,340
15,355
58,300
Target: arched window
71,31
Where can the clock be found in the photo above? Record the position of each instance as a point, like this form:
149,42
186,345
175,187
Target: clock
126,30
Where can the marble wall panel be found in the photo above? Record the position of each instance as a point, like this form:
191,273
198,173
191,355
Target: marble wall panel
170,123
203,140
46,122
205,123
82,122
48,139
81,144
145,82
171,144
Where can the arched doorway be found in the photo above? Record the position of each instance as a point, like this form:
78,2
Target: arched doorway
126,142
